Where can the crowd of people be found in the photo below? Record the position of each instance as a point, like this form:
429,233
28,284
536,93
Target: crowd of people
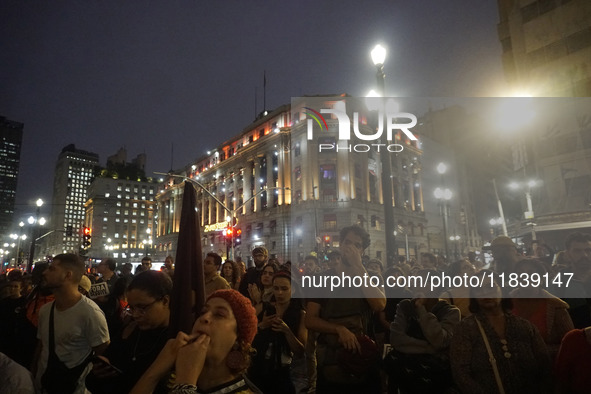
259,333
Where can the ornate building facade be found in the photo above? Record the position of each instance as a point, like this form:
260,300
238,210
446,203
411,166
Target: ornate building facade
290,195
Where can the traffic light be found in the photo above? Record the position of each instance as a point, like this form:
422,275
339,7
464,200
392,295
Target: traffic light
327,241
86,233
228,234
237,233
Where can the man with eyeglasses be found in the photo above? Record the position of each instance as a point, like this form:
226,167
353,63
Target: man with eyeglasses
146,263
260,256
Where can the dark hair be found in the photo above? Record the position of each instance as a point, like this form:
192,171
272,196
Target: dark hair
14,276
474,307
111,263
431,258
378,262
282,274
455,268
272,265
156,283
539,267
235,270
313,258
334,254
577,237
147,258
357,230
217,259
72,262
37,274
295,301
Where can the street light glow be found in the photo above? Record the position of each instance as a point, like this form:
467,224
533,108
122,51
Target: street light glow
372,93
42,221
441,168
31,220
378,55
39,202
515,114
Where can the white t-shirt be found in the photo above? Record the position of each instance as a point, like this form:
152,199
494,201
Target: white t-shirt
14,378
77,330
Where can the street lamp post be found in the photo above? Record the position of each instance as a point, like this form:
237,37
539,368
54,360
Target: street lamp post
456,240
232,212
315,219
529,214
34,221
148,242
443,195
378,56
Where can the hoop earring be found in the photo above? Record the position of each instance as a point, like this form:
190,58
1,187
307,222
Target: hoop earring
236,359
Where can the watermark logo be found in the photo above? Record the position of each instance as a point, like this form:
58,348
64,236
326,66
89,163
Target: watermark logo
316,116
388,122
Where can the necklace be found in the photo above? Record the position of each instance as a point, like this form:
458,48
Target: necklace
154,343
505,348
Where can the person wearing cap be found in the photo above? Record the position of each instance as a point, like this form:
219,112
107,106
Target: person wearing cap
505,254
260,256
84,285
214,356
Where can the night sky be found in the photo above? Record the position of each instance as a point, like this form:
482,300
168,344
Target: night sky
150,74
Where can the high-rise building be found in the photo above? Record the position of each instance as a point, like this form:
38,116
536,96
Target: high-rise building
120,210
546,46
11,134
293,197
74,171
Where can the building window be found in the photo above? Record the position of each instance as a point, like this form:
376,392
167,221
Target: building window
298,173
297,150
330,221
327,173
324,142
329,195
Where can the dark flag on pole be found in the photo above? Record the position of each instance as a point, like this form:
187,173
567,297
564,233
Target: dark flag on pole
188,292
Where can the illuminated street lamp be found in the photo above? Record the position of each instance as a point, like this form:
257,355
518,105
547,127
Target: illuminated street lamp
456,239
34,221
378,57
529,214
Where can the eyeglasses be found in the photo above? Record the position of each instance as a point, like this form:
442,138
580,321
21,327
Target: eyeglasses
141,309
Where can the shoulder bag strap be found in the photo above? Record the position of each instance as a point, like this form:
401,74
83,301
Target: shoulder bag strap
51,330
493,361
